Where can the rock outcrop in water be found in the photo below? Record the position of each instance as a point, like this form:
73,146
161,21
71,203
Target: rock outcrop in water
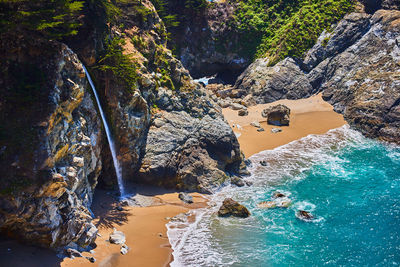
50,145
355,65
231,207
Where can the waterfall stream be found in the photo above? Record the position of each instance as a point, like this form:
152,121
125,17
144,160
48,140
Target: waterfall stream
109,138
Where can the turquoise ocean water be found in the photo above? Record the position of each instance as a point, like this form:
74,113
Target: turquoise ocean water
350,183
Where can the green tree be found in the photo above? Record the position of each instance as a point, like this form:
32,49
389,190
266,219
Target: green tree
52,18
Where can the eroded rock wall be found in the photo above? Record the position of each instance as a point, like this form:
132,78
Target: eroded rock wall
50,145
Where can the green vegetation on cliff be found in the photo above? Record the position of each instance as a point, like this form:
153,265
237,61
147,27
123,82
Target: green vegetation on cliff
52,18
280,28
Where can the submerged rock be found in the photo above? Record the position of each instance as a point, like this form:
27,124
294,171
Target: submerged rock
185,197
232,208
304,215
278,194
266,205
277,115
279,201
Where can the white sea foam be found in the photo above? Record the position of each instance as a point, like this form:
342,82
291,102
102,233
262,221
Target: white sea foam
197,244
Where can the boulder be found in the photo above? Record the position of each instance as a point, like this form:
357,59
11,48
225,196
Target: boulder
185,197
232,208
277,115
237,181
260,130
117,237
255,124
243,112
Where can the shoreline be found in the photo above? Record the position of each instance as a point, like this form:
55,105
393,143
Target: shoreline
308,116
145,227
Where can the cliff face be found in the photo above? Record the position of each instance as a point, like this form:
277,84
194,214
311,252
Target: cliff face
164,91
50,144
355,65
52,148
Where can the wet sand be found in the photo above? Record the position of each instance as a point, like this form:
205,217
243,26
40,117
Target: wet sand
308,116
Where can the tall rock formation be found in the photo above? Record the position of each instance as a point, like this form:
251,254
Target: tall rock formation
49,146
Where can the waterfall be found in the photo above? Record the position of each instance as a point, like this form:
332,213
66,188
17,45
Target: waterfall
109,138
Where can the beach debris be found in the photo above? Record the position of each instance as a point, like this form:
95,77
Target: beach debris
263,163
243,112
124,249
119,208
98,234
91,259
260,130
160,235
304,215
231,207
277,115
255,124
276,130
73,253
117,237
185,197
235,180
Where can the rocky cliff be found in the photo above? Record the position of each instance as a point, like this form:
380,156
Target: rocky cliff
50,144
168,131
355,64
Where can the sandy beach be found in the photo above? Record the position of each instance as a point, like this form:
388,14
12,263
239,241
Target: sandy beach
308,116
144,228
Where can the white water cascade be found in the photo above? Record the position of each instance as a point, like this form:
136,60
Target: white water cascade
109,138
